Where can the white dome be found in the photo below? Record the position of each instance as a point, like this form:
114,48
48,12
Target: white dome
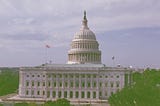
84,46
85,34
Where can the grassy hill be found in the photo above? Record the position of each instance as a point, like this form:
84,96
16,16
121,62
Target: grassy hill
8,81
145,91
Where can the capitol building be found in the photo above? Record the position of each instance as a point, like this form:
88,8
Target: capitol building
83,78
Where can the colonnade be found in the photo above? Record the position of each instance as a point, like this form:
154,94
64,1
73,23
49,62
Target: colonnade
85,57
85,45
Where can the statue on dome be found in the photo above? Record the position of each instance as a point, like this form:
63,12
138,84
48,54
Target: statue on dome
85,15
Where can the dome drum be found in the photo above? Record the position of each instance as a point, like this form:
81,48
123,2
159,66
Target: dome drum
84,44
83,51
85,58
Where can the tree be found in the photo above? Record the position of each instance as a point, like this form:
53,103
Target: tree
62,102
59,102
49,103
144,92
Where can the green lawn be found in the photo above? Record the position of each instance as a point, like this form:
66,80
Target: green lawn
59,102
145,91
8,81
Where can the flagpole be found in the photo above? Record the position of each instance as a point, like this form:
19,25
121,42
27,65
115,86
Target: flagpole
46,60
45,55
113,59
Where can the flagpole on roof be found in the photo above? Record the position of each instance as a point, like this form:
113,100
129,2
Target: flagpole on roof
113,59
46,53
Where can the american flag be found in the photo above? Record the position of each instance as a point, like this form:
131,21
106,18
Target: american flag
113,58
47,46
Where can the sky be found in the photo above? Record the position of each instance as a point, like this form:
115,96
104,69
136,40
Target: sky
129,30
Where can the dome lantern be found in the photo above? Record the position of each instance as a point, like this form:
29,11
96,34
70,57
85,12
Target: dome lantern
84,22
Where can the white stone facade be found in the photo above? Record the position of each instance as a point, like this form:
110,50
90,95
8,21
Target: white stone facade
79,82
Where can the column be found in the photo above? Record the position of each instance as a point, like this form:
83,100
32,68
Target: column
91,94
95,57
57,87
68,90
97,91
80,90
85,86
97,94
74,83
91,57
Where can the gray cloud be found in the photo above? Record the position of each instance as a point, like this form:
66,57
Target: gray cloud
27,25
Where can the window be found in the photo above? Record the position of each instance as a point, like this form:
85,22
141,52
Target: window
106,84
60,75
77,84
88,94
94,75
111,93
27,92
82,94
49,76
49,83
77,76
83,84
100,94
77,94
27,75
27,83
88,76
106,76
32,75
111,84
106,93
54,84
38,75
54,75
65,94
100,84
60,84
48,94
83,75
88,84
43,83
54,94
38,92
71,76
94,94
117,76
43,92
71,84
32,83
59,94
38,83
71,94
32,92
66,84
117,84
43,75
94,84
66,76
